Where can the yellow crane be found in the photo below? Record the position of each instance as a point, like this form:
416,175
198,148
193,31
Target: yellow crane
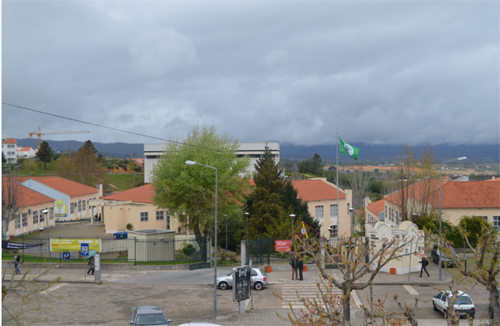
40,133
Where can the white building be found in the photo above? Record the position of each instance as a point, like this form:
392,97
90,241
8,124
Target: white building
253,150
9,146
25,152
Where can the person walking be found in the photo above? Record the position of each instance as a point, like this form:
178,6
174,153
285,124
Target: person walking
17,261
424,263
300,265
295,265
91,265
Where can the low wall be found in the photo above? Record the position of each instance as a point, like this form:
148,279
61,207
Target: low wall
104,266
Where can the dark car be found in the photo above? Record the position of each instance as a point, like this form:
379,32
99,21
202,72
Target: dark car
445,259
149,315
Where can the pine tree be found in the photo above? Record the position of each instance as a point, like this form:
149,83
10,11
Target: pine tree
267,214
45,153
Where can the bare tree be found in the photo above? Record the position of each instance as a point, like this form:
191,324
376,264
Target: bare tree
359,182
12,196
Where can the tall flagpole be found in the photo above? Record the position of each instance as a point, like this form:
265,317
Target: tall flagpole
338,207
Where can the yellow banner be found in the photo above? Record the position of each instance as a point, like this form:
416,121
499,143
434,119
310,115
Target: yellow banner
74,244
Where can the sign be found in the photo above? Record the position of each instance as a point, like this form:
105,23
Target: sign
66,256
303,231
283,245
61,208
84,249
241,283
74,244
97,262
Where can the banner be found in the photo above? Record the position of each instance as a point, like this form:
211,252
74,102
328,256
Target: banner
15,245
283,245
74,244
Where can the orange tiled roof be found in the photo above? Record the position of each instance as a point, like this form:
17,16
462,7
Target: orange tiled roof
428,187
470,194
376,207
142,194
22,149
9,141
313,190
68,187
27,197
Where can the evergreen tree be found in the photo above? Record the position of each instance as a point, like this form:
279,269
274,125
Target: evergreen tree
295,205
45,153
89,146
4,160
267,216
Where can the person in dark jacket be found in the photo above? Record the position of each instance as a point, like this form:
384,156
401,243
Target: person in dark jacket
300,265
295,265
424,263
17,261
91,265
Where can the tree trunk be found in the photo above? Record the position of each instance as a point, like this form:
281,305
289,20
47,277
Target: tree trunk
494,304
346,300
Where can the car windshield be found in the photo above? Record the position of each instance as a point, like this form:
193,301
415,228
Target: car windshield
150,319
263,273
463,300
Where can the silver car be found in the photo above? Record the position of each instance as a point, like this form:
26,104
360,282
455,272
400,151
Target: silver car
258,279
463,304
149,315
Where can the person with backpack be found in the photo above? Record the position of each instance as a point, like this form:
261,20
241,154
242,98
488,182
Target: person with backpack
17,261
91,265
424,263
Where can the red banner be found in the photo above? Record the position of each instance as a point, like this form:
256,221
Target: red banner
283,245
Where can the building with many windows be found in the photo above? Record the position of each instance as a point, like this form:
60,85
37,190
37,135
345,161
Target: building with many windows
9,146
254,151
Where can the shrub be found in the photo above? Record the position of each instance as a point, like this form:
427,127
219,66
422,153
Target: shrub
189,250
129,227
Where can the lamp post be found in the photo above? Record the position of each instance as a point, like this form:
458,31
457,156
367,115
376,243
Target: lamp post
215,235
133,179
352,222
41,239
225,216
292,216
45,212
246,217
441,208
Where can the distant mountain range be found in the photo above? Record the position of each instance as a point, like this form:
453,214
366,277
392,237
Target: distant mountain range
367,152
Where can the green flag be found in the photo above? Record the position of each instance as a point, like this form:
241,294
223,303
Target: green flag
348,149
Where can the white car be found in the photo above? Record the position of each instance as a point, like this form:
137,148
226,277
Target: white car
463,304
258,280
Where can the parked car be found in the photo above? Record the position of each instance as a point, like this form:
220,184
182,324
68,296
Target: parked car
445,259
258,280
199,324
149,315
490,308
463,304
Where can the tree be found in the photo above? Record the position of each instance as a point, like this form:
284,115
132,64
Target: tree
267,214
359,182
90,146
4,160
12,196
189,191
29,164
44,153
312,166
473,227
349,257
295,205
82,167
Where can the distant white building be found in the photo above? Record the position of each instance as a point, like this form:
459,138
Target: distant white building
25,152
9,146
252,150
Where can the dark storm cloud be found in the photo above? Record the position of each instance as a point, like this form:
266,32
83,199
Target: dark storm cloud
380,72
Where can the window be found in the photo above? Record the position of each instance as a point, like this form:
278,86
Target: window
51,213
144,217
334,210
42,216
159,215
79,206
333,231
17,221
84,208
168,221
319,212
35,217
496,222
25,220
72,208
348,206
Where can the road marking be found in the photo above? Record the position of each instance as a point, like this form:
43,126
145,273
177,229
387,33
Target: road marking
410,289
304,291
53,288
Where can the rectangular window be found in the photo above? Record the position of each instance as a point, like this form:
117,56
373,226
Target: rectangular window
144,217
334,210
25,220
42,216
84,208
35,217
79,206
168,221
72,208
159,215
51,213
348,206
496,222
319,212
17,221
333,231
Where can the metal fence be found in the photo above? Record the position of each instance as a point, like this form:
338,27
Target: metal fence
136,251
263,252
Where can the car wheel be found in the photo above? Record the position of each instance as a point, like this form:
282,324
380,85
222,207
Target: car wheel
223,286
445,314
258,286
434,305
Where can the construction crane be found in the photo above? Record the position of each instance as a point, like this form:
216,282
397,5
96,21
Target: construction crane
40,133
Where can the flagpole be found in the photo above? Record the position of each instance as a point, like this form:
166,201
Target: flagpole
338,208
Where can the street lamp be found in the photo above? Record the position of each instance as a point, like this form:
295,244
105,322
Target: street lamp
352,222
292,216
246,216
41,239
215,236
225,216
133,179
45,212
441,207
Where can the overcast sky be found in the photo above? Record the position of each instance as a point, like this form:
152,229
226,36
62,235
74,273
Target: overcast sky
289,71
